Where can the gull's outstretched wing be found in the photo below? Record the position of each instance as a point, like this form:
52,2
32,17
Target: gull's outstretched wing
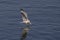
24,15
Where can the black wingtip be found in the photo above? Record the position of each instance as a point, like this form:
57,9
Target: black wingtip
22,9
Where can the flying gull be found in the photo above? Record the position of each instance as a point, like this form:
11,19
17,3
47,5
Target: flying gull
25,17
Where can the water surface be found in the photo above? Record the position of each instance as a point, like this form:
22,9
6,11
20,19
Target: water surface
44,15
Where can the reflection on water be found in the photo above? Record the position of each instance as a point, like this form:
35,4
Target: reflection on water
25,32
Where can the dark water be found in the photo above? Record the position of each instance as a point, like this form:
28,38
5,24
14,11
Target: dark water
44,15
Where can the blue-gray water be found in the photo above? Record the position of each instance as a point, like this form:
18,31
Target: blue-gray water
44,15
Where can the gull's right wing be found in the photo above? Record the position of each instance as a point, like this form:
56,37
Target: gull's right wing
24,15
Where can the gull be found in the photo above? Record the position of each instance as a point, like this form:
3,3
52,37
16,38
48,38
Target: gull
25,17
